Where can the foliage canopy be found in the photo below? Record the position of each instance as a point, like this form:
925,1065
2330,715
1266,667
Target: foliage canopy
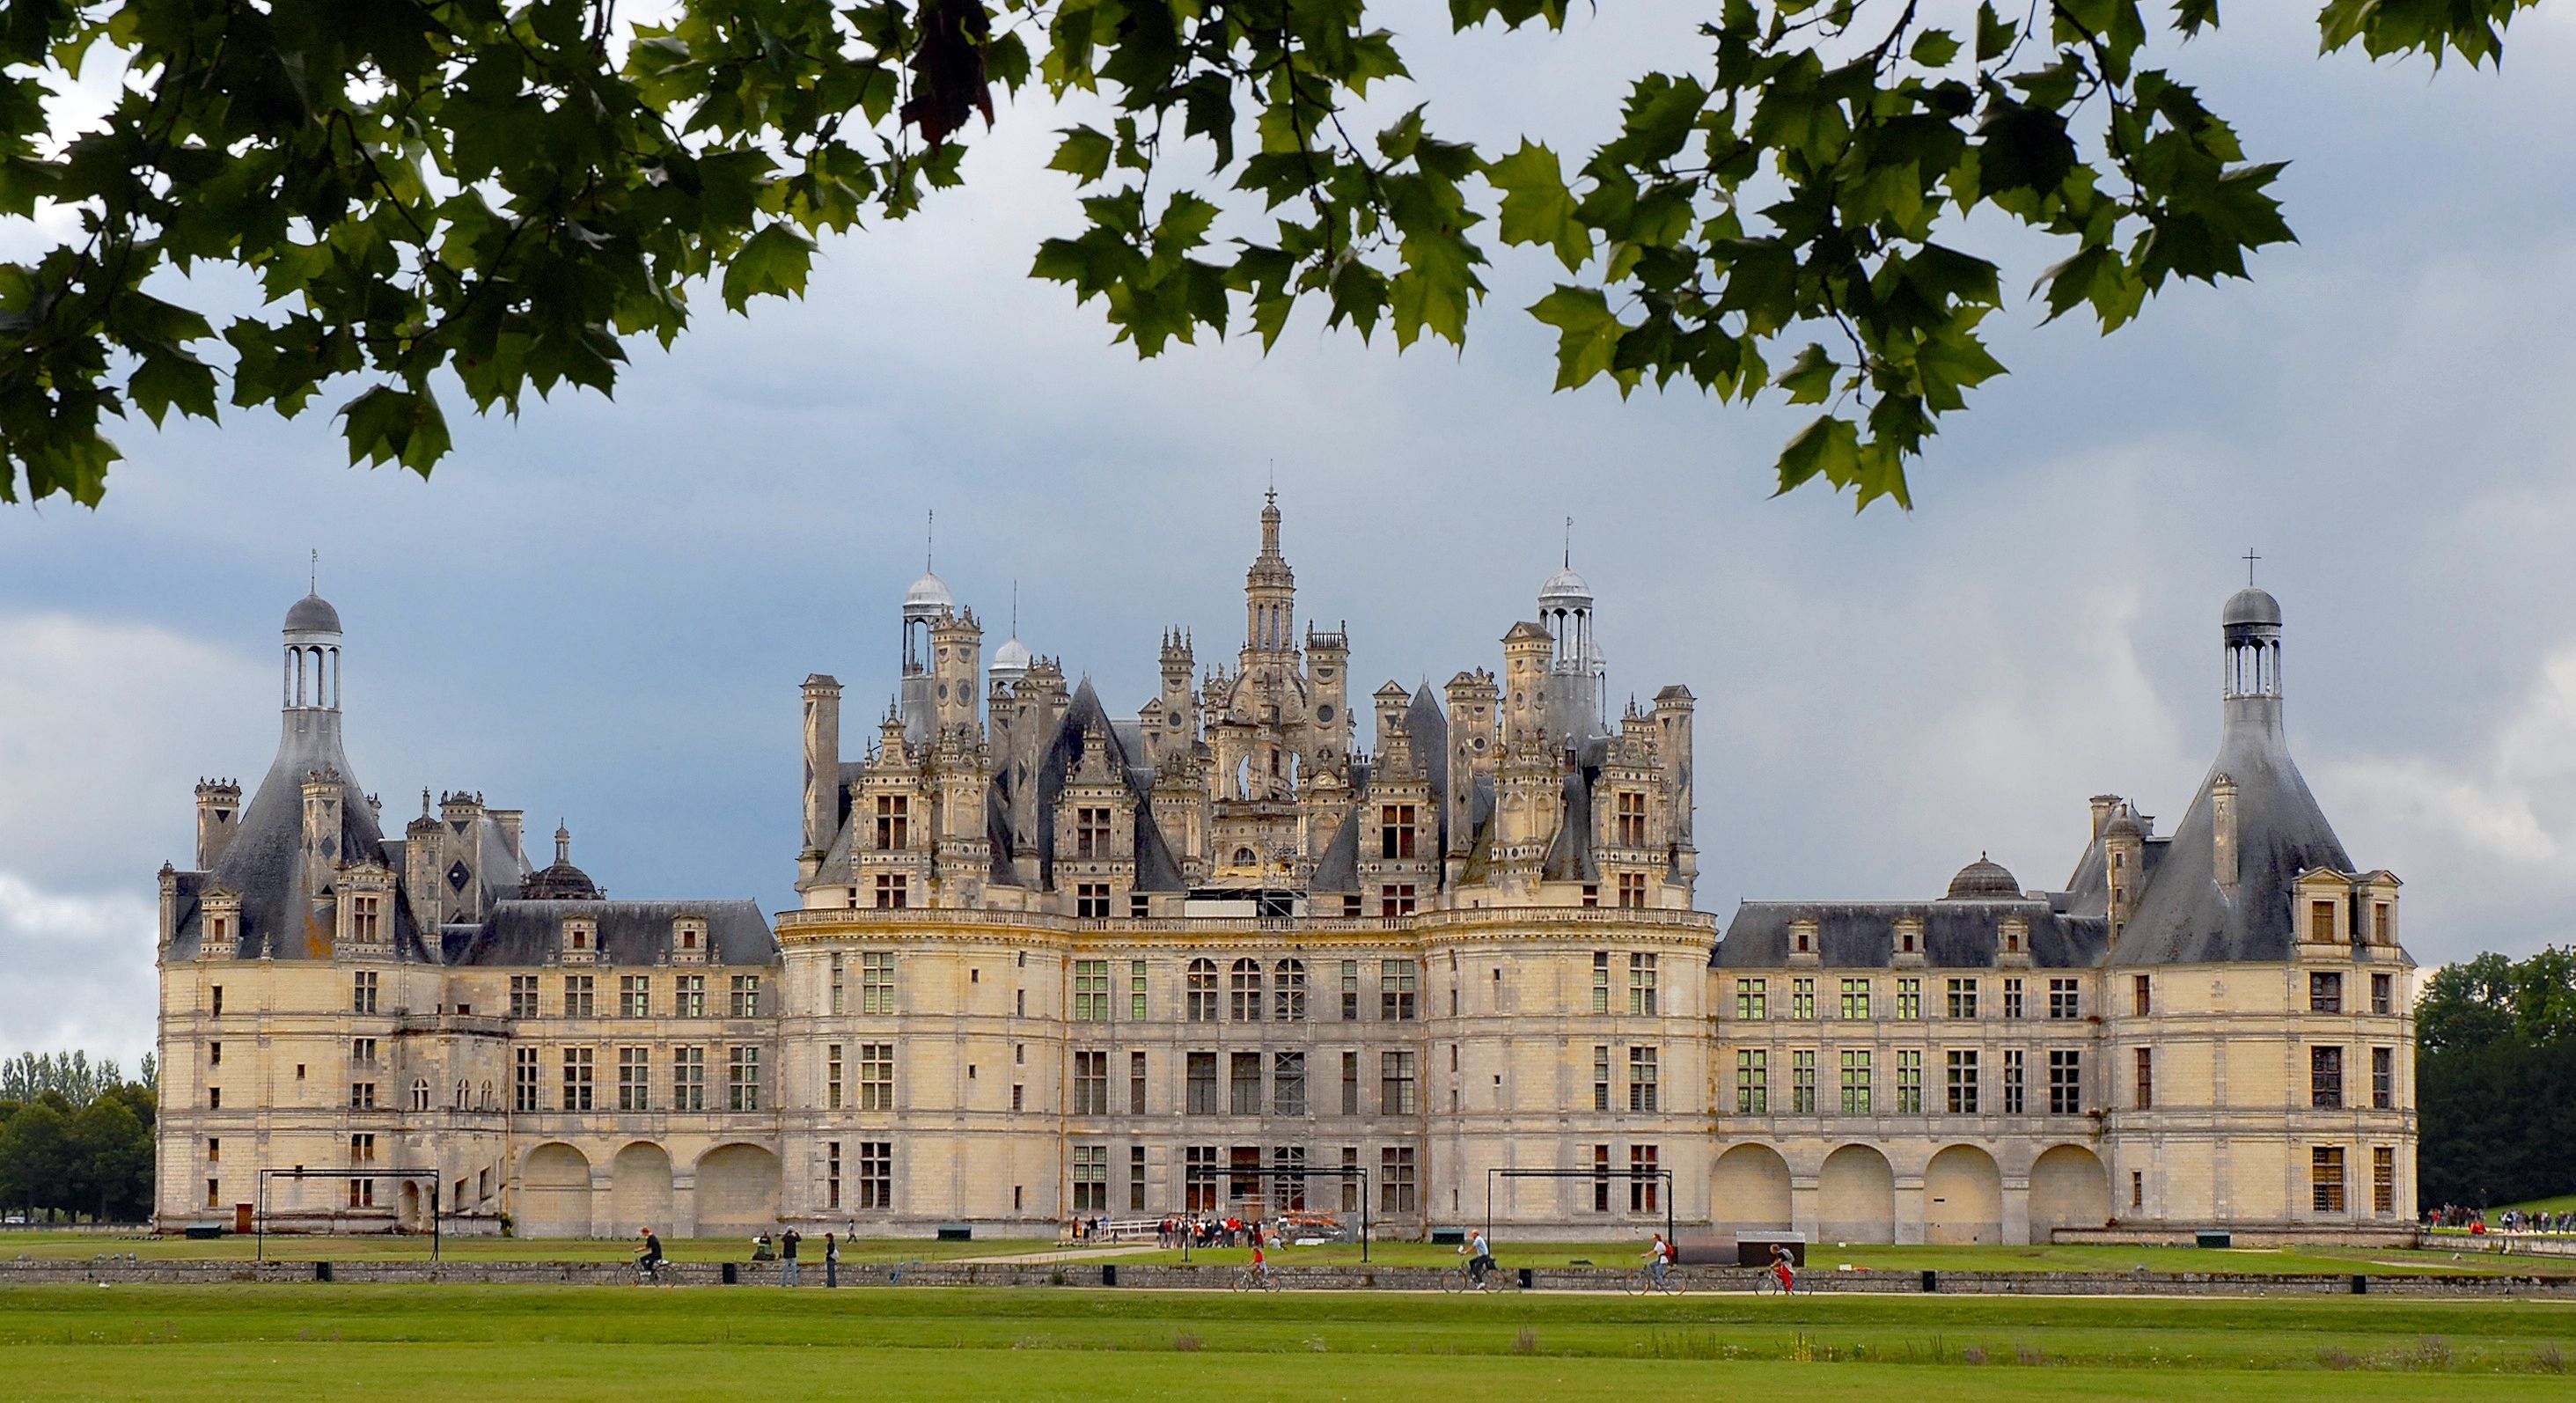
503,193
2496,1079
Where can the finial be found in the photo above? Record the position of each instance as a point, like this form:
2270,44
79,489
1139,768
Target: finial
929,542
313,576
1015,608
2250,558
1569,543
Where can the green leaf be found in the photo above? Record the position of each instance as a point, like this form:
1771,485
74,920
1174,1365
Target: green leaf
772,263
1084,153
1809,379
386,425
1828,448
1587,332
1537,207
1934,48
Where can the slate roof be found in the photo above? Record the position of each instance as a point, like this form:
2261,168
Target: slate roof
630,932
1862,934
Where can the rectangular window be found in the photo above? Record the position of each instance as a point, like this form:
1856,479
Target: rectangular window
634,1079
2383,1175
876,981
1136,990
1203,1004
523,1080
361,1051
2325,993
577,996
2325,1078
577,1076
362,1097
1396,1084
1136,1178
1135,1083
742,1079
1350,1083
362,1193
1288,1192
2065,1082
1091,1083
1632,819
1909,1081
1963,998
876,1076
1395,1184
1965,1085
2325,1178
1601,1178
1395,831
832,1174
2063,999
1091,991
1752,998
1395,990
1601,1076
1752,1081
840,984
2321,921
2146,1079
1350,991
523,996
2382,993
2383,1078
2142,994
1202,1074
1395,899
1645,1186
1288,992
1600,981
1632,891
1243,1083
689,996
1802,1081
894,822
1855,1001
894,891
1091,901
1091,834
876,1174
364,923
635,995
2379,922
746,996
2012,998
1288,1083
1802,998
2013,1082
688,1079
1643,975
362,1150
215,1097
1855,1070
1642,1088
362,992
1090,1178
1909,998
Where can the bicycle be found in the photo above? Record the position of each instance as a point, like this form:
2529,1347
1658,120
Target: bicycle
1642,1282
1766,1282
651,1273
1256,1279
1457,1279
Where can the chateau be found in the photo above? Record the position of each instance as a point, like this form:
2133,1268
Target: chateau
1052,962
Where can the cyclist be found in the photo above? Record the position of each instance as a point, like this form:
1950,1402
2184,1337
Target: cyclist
1783,1266
1659,1260
1260,1263
648,1257
1480,1256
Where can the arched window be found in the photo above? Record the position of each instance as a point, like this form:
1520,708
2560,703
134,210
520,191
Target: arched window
1243,857
1288,1003
464,1096
420,1093
1202,991
487,1097
1247,991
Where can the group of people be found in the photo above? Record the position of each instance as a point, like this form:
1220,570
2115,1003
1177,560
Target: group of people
782,1249
1195,1231
2474,1220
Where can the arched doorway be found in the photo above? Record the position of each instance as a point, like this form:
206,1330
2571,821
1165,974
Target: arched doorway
1749,1190
737,1190
1856,1197
639,1190
412,1219
1963,1197
554,1192
2068,1189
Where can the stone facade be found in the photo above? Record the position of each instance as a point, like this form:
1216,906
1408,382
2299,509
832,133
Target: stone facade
1048,963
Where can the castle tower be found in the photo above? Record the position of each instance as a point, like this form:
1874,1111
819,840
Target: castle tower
822,771
926,603
1574,664
218,808
1269,597
1328,678
956,674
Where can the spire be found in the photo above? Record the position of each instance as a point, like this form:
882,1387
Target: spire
929,541
563,842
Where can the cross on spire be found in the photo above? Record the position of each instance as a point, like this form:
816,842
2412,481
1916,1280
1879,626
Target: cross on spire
2250,558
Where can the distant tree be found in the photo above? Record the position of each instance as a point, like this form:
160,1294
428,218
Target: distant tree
109,1162
36,1158
438,196
2496,1079
75,1136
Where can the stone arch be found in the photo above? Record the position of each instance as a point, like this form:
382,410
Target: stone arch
554,1192
1963,1197
1749,1190
639,1190
737,1190
412,1219
1856,1196
2068,1189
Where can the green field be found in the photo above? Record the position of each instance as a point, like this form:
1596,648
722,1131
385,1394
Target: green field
1824,1257
381,1246
625,1343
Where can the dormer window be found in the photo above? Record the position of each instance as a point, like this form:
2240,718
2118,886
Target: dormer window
1905,940
580,942
2321,921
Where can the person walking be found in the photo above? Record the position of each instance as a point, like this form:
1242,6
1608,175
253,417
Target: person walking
790,1272
831,1260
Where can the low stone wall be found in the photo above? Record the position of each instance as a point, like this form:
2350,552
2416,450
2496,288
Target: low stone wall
2279,1235
31,1272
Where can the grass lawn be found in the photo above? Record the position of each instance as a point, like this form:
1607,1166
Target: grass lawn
379,1246
1827,1257
618,1343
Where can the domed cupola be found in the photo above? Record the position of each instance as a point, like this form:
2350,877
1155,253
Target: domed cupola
1984,880
312,614
562,881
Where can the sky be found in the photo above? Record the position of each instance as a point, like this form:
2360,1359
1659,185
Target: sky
601,612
